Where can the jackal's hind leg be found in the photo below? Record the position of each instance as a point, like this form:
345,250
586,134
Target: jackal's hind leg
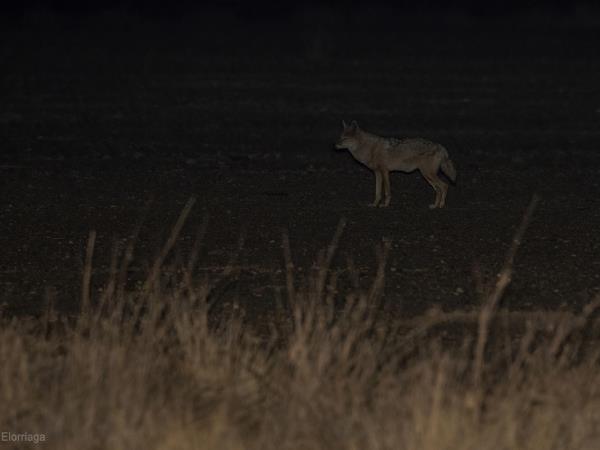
435,183
378,181
444,189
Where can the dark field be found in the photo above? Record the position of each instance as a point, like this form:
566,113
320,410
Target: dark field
107,123
397,335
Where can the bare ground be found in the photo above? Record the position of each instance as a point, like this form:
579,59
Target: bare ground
106,128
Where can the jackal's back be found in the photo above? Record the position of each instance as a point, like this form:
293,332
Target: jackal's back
416,146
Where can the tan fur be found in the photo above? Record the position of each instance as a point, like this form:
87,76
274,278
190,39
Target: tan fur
384,155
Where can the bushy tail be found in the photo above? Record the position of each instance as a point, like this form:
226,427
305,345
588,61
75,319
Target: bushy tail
448,167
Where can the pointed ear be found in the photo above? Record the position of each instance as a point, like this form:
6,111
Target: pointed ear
354,125
344,124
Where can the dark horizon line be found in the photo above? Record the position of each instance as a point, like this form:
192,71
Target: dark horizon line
271,8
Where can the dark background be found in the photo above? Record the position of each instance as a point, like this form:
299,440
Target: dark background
252,10
115,114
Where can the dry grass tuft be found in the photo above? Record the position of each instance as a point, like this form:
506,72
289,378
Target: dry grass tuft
154,369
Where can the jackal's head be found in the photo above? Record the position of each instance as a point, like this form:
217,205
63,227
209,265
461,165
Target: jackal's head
349,137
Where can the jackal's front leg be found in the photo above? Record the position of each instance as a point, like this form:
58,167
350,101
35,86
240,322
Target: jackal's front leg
378,181
387,192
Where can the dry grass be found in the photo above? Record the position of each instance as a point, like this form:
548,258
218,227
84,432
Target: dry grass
154,369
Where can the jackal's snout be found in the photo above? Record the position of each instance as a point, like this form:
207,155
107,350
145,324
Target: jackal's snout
347,137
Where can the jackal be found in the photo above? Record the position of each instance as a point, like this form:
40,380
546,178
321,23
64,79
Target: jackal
383,155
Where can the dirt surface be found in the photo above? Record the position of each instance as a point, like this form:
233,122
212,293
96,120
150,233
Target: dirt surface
107,122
